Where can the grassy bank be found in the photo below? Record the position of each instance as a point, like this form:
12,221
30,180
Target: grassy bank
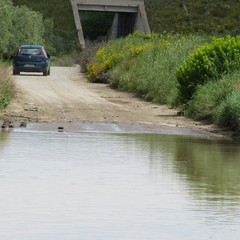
197,74
144,64
7,86
209,82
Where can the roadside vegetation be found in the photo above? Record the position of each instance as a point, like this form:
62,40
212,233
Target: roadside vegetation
199,16
60,32
172,16
191,61
7,86
209,82
143,64
21,25
195,73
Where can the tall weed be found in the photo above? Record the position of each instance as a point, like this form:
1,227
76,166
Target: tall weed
229,112
206,84
207,98
113,53
88,53
152,74
7,87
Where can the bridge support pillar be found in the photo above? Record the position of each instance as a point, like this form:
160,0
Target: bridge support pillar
130,16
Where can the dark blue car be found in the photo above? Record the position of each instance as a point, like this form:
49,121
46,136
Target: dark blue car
31,58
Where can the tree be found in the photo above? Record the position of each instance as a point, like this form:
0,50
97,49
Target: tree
6,10
27,26
20,25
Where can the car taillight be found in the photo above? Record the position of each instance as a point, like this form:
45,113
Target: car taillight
41,52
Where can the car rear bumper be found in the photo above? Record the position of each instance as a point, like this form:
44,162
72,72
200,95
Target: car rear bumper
30,67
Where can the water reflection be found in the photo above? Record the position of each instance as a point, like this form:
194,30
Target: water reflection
211,168
3,136
117,186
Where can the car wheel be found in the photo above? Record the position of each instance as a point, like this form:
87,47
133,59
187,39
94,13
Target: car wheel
45,72
15,72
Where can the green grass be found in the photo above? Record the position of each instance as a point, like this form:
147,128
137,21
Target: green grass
208,98
147,65
67,60
219,16
229,112
7,86
144,64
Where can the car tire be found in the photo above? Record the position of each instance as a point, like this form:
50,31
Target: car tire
15,72
45,72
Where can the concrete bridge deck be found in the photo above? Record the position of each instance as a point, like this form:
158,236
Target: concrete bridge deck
131,12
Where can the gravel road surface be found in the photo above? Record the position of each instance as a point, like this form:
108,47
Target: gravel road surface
66,97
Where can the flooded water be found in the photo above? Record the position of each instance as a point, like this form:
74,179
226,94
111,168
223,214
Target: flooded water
102,186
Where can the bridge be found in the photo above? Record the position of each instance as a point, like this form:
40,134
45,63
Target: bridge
130,16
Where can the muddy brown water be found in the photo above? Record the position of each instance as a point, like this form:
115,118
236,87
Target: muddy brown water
112,185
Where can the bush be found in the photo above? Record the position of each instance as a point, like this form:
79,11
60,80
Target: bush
21,25
144,64
7,87
5,26
28,27
65,42
207,63
152,74
49,37
112,54
208,98
87,54
229,112
143,74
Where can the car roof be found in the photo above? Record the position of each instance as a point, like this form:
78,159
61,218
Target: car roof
31,46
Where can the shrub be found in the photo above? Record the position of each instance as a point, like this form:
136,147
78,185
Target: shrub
208,97
87,54
5,25
7,87
229,112
144,64
152,74
115,52
20,25
143,75
28,27
209,62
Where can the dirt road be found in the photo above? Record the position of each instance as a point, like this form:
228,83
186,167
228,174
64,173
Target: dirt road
66,96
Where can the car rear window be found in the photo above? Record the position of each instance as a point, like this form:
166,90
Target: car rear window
31,51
